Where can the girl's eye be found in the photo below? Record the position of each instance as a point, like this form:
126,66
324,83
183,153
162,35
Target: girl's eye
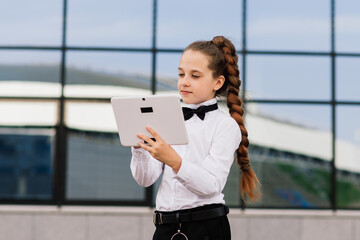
181,74
195,76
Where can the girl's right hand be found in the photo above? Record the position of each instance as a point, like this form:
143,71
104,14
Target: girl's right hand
160,150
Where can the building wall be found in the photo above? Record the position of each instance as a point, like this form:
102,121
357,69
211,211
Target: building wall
92,223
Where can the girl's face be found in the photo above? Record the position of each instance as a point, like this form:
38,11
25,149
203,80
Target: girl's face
196,83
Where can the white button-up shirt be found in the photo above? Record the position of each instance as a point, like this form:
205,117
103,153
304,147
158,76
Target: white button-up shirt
206,162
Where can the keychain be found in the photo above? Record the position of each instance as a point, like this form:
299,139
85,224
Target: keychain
179,233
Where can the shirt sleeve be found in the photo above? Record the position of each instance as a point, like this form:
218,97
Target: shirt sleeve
209,177
144,168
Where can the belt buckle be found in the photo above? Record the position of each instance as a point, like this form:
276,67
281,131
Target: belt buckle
160,218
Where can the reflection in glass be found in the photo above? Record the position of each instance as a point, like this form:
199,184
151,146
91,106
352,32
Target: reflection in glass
347,78
348,156
90,116
288,77
179,24
232,187
26,113
26,163
31,22
291,154
347,27
98,168
167,72
94,74
30,73
110,23
288,25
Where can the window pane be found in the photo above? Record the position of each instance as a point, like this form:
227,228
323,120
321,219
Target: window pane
347,25
94,74
232,187
288,77
26,113
288,25
98,167
26,153
29,73
37,22
290,151
90,116
110,23
182,22
347,78
348,156
167,72
26,163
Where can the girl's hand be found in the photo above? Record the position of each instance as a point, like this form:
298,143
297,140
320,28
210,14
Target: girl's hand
160,150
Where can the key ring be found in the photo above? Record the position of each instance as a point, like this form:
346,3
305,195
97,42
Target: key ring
179,233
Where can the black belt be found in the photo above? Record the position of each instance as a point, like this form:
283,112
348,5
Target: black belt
196,215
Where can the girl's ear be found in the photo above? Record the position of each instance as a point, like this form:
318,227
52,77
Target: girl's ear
219,82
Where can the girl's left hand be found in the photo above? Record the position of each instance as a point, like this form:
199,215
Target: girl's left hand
160,150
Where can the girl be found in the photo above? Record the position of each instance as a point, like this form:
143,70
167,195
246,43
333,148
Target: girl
190,203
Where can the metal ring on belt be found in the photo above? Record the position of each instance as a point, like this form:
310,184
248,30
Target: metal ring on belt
198,215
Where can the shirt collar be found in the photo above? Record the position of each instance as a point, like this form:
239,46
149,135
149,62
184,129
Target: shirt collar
206,103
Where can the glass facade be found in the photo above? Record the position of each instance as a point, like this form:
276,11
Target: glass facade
30,73
287,26
348,157
37,23
288,77
347,82
26,166
180,23
98,168
61,62
348,32
105,74
291,154
109,23
167,72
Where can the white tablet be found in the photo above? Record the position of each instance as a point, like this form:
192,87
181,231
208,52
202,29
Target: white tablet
162,113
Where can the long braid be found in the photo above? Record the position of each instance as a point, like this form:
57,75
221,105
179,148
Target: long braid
223,61
249,183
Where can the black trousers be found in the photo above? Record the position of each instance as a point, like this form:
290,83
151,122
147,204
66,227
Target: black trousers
211,229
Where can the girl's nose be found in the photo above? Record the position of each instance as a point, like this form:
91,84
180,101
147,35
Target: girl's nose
185,81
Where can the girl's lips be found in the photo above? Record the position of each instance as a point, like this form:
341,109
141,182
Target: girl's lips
185,92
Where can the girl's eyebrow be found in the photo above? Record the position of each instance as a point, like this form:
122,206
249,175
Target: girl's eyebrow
192,70
196,71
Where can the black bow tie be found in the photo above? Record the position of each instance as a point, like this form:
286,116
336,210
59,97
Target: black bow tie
200,111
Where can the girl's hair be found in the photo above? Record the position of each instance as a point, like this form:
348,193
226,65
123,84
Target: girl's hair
223,61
